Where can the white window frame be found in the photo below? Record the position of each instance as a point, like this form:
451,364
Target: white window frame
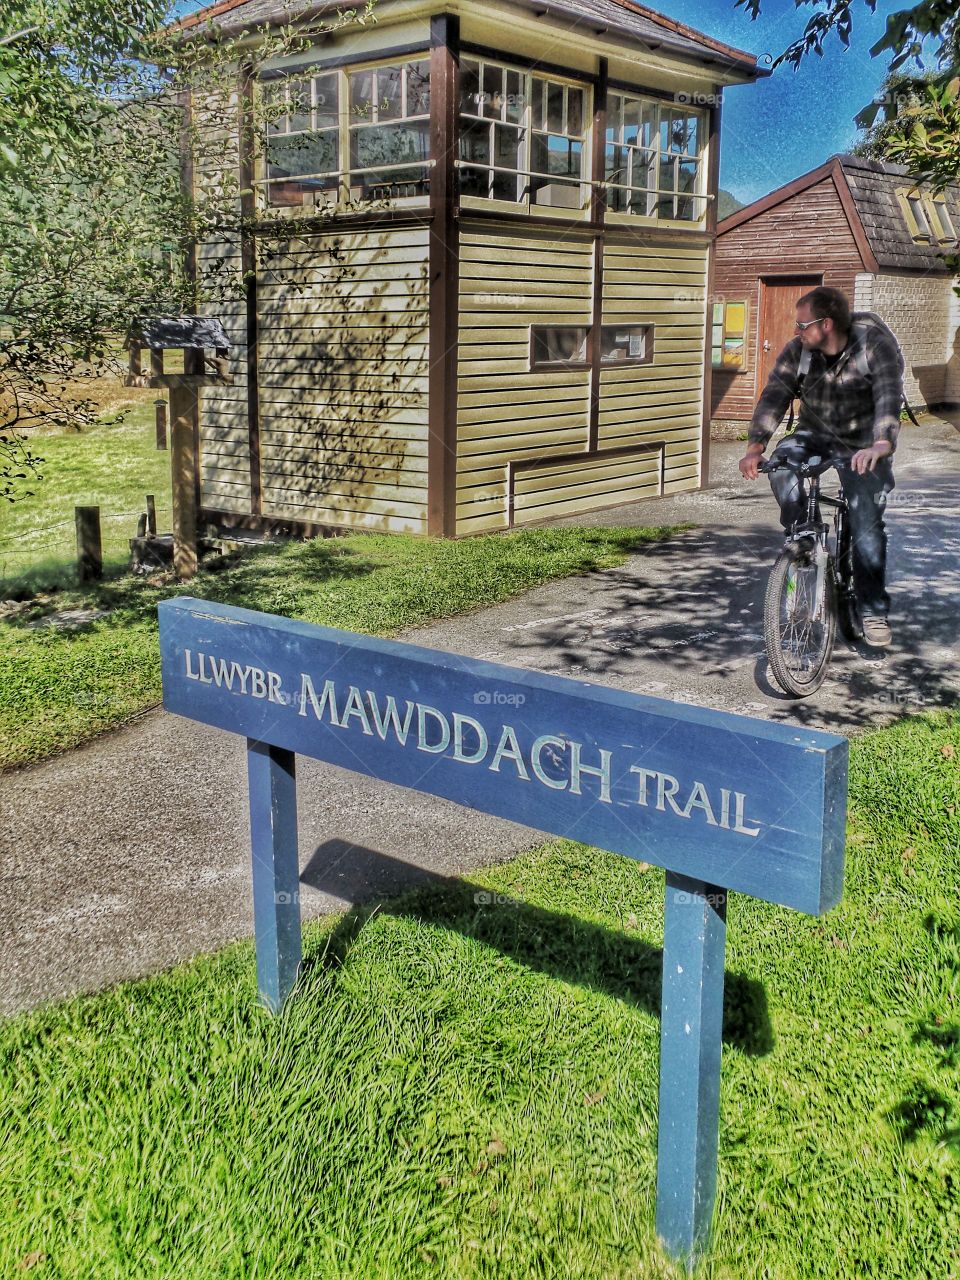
346,182
523,123
657,157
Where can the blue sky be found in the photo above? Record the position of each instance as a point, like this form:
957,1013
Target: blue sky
789,123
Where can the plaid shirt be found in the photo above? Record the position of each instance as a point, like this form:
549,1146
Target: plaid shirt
845,404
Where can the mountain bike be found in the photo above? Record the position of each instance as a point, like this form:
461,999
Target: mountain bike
810,589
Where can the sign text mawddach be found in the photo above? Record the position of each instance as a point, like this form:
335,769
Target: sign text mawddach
720,801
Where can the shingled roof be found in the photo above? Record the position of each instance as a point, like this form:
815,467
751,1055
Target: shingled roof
622,18
874,186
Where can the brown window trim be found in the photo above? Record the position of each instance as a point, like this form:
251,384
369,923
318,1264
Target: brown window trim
587,330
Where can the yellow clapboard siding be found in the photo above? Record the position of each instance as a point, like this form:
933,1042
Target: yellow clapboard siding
480,477
487,524
535,309
685,281
507,419
524,239
644,287
632,252
371,240
494,372
514,276
658,429
380,503
501,448
411,454
373,383
334,347
282,433
665,365
563,380
688,485
342,489
386,521
314,324
575,469
636,409
651,411
489,505
582,503
336,473
511,391
554,284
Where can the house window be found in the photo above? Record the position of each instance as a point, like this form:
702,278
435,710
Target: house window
939,218
363,130
728,337
390,129
914,211
626,344
553,346
522,136
654,159
302,143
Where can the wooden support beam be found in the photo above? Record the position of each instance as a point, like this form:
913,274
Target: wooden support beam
184,463
444,266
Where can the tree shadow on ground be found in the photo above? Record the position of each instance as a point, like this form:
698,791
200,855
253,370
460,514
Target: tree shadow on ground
692,606
563,946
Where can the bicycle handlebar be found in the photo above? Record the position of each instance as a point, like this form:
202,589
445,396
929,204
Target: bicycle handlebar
812,467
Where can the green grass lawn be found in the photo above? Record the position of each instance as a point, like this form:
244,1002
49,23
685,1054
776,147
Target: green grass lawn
59,688
469,1089
114,467
62,686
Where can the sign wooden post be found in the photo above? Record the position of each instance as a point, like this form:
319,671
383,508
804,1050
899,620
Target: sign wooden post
691,1026
722,802
271,774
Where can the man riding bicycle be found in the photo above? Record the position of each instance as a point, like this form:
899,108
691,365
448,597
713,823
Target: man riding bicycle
849,377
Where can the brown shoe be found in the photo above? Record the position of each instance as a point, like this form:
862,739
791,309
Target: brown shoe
876,632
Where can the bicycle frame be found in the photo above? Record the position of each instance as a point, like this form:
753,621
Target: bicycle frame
815,527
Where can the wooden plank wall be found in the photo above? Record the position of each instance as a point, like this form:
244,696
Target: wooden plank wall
224,435
663,286
510,280
343,366
804,235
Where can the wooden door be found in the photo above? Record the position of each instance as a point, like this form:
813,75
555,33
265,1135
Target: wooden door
778,314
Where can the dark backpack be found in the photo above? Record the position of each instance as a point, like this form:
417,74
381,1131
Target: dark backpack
860,322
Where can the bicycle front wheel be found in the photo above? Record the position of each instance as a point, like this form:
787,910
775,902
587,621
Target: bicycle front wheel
799,629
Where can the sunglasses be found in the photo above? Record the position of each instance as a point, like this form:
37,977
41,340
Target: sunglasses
805,324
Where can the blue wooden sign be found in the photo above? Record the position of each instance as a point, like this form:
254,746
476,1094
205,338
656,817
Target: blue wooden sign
722,802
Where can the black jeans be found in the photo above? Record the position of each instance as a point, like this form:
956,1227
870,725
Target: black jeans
866,496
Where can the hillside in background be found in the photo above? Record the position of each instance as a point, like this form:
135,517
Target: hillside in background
727,204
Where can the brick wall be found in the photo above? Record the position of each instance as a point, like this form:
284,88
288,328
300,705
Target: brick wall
921,310
951,390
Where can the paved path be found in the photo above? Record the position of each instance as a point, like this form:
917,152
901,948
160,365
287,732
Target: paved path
132,853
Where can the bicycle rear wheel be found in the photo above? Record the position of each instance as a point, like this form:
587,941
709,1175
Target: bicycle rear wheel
798,636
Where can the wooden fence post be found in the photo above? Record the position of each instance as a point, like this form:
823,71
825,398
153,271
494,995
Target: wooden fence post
184,413
89,545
